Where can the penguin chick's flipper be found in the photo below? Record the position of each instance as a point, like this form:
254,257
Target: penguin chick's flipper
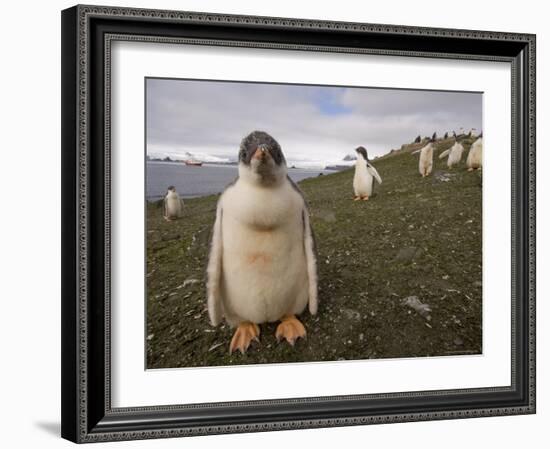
245,333
311,262
214,271
445,153
290,329
374,173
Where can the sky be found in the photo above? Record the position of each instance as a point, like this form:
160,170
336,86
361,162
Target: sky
315,125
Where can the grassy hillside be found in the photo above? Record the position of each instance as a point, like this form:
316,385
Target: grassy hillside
415,238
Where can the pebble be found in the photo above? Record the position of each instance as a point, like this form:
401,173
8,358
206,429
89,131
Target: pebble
414,303
190,282
214,346
351,314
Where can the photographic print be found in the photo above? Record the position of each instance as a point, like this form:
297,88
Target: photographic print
304,223
306,198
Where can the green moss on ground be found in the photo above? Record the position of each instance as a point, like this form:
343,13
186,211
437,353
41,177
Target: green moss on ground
415,237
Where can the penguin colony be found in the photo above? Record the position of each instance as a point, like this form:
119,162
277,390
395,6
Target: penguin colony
262,234
474,160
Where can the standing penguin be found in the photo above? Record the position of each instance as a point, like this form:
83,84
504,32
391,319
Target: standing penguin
262,265
365,174
425,162
173,205
455,153
475,156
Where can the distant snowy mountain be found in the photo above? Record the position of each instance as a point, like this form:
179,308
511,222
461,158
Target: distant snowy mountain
303,163
349,157
202,157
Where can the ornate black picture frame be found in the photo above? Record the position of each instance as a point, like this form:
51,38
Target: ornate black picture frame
87,34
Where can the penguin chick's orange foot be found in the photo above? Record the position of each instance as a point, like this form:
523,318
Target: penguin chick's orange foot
245,333
357,198
290,329
365,198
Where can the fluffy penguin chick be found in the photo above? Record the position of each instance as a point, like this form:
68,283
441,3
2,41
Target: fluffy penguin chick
365,174
454,153
173,205
262,265
425,162
475,156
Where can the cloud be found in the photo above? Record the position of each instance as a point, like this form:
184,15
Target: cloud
312,123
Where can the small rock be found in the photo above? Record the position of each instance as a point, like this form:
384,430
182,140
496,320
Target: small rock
351,314
190,282
458,341
214,346
477,284
150,337
361,336
414,303
443,177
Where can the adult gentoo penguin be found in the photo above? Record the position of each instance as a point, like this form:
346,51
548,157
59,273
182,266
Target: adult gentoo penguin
173,205
365,174
455,153
262,265
475,156
425,162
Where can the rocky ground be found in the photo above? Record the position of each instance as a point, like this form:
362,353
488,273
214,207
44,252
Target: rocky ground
399,275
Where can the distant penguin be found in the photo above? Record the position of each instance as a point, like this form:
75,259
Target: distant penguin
425,162
454,153
365,175
262,265
475,156
173,205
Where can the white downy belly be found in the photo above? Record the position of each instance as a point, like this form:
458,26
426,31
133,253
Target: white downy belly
362,181
173,207
264,272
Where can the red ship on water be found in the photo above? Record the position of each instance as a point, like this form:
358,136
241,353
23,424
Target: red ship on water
193,162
